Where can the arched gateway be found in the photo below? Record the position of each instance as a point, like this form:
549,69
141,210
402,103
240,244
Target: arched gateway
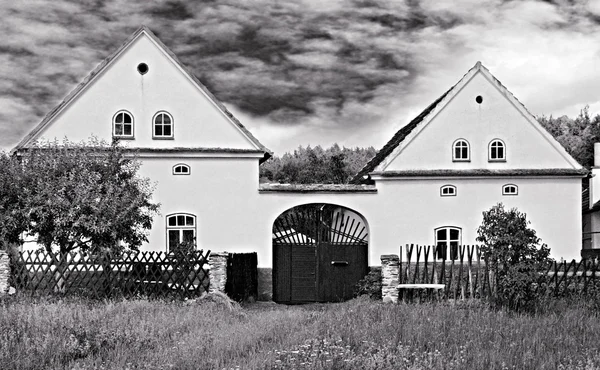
319,253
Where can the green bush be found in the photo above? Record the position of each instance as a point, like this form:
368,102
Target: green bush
370,285
515,253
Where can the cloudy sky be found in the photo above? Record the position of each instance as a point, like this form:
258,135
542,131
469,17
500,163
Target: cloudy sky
300,72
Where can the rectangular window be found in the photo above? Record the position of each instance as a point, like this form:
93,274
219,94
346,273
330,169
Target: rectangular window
181,228
447,241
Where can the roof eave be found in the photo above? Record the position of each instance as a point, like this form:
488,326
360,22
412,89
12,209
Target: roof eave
480,173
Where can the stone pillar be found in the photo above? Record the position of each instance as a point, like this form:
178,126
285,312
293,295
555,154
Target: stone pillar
4,272
390,272
218,271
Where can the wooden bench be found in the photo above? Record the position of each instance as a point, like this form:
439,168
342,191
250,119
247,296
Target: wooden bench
419,286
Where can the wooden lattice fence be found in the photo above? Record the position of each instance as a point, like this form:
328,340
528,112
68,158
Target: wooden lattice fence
152,274
470,275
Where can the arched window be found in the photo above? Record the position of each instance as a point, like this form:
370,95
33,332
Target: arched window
162,126
448,191
181,169
510,189
460,151
447,241
123,125
497,150
181,228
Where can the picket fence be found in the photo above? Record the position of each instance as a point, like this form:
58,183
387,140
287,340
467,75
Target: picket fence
466,273
152,274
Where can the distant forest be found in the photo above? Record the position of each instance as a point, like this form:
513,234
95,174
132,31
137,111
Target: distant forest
335,165
315,165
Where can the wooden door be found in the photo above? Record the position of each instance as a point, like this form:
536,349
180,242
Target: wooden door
340,267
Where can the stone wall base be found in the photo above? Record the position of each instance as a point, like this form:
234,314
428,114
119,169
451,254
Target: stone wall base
218,271
4,273
390,273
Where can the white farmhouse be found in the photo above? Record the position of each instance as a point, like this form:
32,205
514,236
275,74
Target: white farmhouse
473,147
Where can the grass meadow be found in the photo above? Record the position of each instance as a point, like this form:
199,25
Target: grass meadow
359,334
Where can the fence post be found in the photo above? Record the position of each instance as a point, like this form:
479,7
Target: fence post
4,272
390,272
217,261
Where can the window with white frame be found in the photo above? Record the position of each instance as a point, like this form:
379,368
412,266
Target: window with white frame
163,126
497,151
447,241
510,189
181,169
448,191
181,228
123,125
461,151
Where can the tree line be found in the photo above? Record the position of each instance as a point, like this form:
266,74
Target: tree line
335,165
315,165
577,135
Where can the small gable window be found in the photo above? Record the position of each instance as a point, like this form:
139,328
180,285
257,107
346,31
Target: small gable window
497,151
181,228
123,125
510,189
163,126
447,241
448,191
461,151
181,169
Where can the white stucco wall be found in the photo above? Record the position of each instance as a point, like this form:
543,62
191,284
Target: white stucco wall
233,216
220,192
197,121
479,124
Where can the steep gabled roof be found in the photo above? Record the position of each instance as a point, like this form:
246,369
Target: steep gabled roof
394,142
408,132
100,68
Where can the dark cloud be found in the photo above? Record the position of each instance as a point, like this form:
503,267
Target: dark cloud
171,10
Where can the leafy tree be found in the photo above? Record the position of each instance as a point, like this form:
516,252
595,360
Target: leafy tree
577,135
13,215
515,253
508,239
84,196
313,165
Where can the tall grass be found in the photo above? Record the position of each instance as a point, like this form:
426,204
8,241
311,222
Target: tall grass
357,334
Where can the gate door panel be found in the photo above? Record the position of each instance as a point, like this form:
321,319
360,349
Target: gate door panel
340,268
319,254
282,265
304,273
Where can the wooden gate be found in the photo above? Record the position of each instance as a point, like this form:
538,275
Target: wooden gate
319,253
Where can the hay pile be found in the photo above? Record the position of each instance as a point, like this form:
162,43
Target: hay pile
216,300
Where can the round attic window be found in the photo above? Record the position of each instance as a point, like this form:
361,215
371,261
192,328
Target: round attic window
479,99
142,68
